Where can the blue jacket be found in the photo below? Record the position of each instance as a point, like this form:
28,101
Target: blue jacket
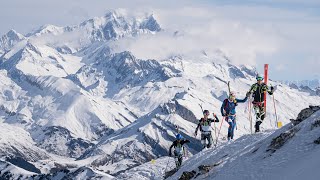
230,107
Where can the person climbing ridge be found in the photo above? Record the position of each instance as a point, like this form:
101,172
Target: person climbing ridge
205,128
178,149
228,111
257,90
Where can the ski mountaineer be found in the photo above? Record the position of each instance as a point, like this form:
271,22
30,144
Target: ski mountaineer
178,149
205,127
228,111
257,90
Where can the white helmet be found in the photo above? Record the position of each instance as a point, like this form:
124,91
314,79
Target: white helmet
232,94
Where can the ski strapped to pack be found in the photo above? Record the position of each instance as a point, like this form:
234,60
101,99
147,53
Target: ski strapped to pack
266,67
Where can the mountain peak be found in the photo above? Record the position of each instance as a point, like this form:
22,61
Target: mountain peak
13,35
10,39
151,24
116,13
46,29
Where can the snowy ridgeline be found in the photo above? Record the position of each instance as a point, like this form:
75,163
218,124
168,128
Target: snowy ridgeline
291,153
74,102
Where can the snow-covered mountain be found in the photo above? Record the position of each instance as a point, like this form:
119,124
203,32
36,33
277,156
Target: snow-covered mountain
312,92
8,40
312,84
84,106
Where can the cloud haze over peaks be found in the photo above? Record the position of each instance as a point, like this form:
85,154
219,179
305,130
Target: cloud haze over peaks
283,32
238,42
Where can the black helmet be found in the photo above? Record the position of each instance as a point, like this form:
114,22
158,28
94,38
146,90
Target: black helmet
206,112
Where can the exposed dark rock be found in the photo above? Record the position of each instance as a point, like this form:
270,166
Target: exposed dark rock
6,176
202,169
59,167
182,111
279,141
205,168
187,175
20,162
304,114
235,72
64,49
317,141
315,124
170,173
57,134
251,72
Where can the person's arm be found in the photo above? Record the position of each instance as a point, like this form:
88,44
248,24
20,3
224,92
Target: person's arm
186,141
196,132
222,108
252,89
242,100
171,148
215,118
270,91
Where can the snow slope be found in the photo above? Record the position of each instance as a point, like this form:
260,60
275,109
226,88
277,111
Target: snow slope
291,152
181,96
15,141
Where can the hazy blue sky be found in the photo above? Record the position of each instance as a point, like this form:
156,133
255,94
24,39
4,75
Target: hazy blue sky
286,32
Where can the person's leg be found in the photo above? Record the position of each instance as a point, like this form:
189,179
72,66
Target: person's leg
176,158
258,116
230,128
257,111
262,112
209,138
180,160
203,140
233,127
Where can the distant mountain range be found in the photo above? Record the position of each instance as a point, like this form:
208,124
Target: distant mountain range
313,84
74,106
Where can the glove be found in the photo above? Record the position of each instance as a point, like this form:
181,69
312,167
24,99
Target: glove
248,94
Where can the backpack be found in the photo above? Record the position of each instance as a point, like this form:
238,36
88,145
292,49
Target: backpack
226,103
179,149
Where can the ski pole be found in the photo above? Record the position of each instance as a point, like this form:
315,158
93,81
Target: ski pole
275,109
177,128
215,131
229,87
215,128
219,131
201,107
250,117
